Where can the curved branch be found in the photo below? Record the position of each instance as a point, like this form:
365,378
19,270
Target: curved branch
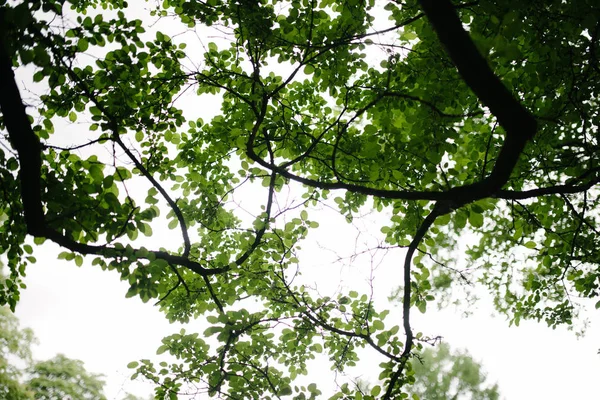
517,121
260,233
438,210
475,71
183,226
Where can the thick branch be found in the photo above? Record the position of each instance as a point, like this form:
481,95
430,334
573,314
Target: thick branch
476,72
519,124
25,141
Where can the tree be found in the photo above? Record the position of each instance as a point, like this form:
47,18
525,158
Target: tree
452,117
14,347
64,378
57,378
440,374
130,396
444,375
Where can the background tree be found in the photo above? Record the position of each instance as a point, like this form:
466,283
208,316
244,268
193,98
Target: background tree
22,378
64,378
490,130
441,374
15,347
130,396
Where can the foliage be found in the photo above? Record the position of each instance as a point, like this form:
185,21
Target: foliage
444,375
130,396
14,347
64,378
490,130
57,378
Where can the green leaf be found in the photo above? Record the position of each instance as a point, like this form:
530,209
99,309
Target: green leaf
378,325
82,45
375,390
475,219
96,173
285,391
212,330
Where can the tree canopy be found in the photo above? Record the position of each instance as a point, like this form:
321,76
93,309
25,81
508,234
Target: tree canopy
64,378
454,118
443,374
15,347
57,378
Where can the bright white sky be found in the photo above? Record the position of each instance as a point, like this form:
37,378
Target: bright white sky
82,312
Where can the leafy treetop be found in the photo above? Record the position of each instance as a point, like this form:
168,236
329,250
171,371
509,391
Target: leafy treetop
57,378
443,374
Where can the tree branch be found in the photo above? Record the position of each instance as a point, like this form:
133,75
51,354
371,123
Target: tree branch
29,149
438,210
519,124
